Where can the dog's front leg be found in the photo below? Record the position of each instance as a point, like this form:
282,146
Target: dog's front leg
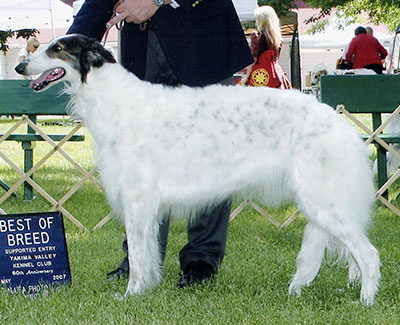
142,227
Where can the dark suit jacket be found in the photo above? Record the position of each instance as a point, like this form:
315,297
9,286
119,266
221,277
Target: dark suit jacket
202,40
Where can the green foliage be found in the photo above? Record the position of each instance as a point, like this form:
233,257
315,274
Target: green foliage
338,3
326,4
385,11
6,34
318,27
281,6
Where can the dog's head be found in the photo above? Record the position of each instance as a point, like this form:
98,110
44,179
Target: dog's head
68,58
316,76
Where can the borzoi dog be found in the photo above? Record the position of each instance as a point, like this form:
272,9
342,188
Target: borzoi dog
181,150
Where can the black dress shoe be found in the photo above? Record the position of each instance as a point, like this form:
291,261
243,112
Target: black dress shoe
123,268
117,274
196,272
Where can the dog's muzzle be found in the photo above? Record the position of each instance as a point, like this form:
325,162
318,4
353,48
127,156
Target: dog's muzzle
20,68
45,79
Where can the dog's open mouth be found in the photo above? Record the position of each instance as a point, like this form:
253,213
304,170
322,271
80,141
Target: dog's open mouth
47,78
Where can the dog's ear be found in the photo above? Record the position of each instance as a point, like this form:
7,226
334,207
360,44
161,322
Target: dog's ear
93,55
101,55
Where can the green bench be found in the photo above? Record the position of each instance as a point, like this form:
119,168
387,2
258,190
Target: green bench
366,94
16,98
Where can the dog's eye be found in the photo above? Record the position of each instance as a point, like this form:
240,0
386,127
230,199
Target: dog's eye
56,48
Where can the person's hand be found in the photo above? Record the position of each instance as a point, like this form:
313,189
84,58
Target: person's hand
136,11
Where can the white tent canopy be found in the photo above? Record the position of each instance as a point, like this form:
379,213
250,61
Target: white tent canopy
245,9
24,5
20,14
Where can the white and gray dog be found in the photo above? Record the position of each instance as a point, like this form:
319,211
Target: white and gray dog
181,150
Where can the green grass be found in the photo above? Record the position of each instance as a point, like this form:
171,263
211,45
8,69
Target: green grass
251,287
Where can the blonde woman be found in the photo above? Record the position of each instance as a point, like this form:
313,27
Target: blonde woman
32,44
269,29
266,44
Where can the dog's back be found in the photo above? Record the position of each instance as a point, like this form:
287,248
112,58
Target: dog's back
206,143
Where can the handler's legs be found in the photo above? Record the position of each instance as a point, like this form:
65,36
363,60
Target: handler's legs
205,250
201,256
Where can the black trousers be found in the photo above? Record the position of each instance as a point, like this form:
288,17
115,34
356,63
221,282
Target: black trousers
207,233
378,68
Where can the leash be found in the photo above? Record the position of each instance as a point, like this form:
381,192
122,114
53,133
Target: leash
119,25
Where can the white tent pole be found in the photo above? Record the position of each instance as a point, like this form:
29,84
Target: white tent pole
52,18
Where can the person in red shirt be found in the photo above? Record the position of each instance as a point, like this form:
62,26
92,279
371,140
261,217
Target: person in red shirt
365,51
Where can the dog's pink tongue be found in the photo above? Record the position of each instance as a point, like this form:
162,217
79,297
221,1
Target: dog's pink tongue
46,78
40,80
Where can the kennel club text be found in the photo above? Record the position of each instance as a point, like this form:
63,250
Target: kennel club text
33,251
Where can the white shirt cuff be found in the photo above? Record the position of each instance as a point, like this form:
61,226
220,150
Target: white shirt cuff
174,4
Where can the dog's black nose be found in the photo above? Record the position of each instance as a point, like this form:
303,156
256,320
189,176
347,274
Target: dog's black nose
20,68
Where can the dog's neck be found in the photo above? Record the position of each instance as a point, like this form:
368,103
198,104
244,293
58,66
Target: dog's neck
104,89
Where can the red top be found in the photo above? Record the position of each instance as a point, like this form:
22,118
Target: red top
257,47
366,50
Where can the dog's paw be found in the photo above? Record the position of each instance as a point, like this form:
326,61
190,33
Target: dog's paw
295,288
353,282
367,299
134,288
354,276
368,292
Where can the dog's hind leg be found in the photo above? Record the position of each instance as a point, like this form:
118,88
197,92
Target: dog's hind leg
364,257
309,258
346,230
142,225
367,259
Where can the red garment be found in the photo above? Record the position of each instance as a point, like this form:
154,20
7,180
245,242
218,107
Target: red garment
266,70
256,44
264,73
366,50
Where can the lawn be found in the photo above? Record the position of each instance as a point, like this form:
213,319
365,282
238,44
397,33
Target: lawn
251,287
